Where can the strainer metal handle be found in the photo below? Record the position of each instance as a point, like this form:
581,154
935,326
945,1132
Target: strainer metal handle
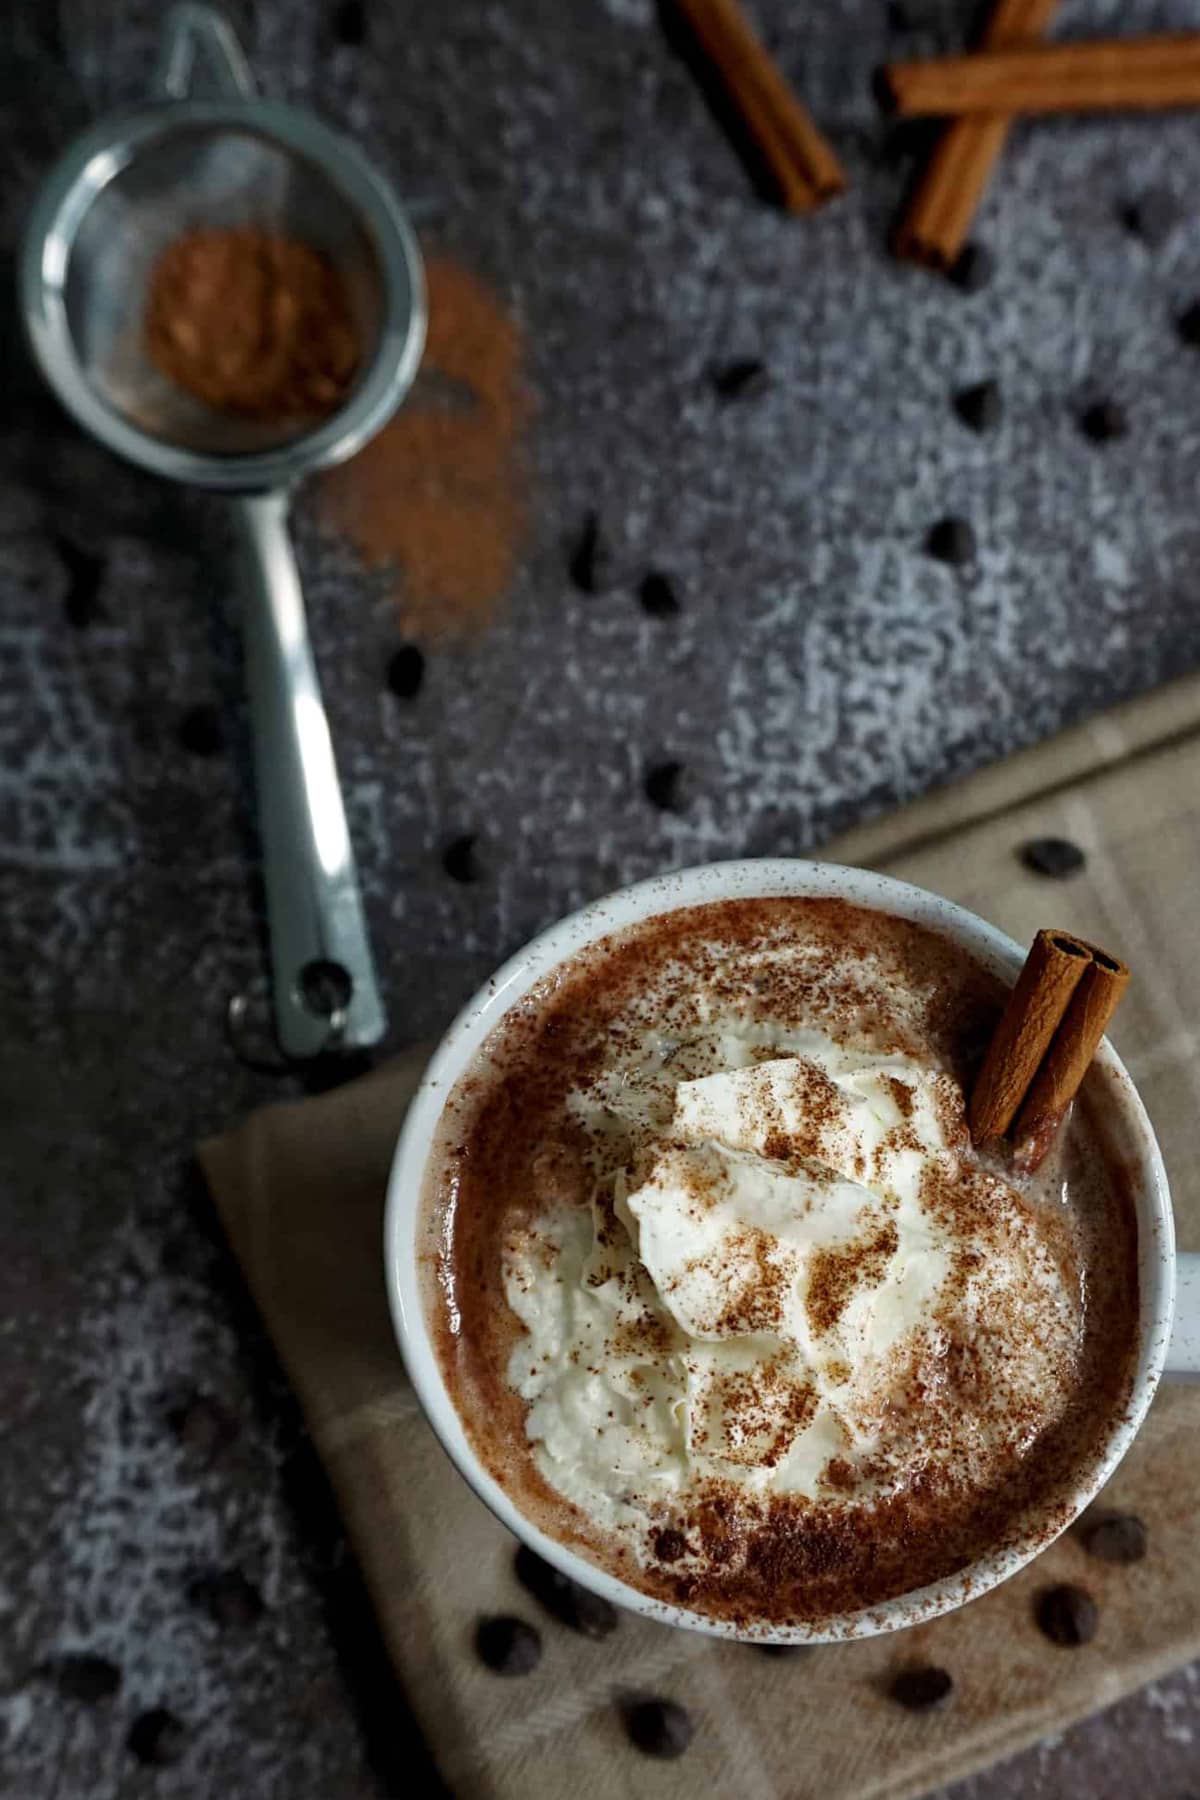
324,985
198,34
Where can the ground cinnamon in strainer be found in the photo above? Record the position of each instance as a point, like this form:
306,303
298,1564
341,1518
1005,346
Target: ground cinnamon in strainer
253,323
438,494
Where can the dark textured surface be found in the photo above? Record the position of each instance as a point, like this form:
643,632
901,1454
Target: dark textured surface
819,666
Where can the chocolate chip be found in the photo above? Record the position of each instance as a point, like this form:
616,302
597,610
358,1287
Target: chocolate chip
1053,856
659,1727
789,1650
509,1646
980,406
85,573
1188,325
200,731
657,595
973,268
460,861
564,1599
591,563
405,672
83,1677
951,541
1067,1615
350,23
228,1598
157,1737
1103,421
201,1424
661,785
744,379
1114,1538
1153,216
920,1690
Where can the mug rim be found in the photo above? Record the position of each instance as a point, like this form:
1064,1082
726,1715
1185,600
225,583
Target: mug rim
763,878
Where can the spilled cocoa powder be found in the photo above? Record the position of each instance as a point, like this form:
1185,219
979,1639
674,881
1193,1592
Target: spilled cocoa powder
438,495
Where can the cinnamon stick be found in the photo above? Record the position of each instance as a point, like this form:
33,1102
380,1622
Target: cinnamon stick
1076,1041
1036,1007
800,160
938,216
1110,74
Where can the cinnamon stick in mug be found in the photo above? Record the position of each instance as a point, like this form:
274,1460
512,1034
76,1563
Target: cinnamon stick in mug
1036,1007
1091,1007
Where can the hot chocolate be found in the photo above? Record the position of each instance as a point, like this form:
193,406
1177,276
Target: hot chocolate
725,1296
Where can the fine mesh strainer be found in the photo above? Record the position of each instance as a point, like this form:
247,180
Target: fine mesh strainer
109,208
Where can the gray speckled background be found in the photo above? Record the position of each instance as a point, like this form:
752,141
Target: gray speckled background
821,667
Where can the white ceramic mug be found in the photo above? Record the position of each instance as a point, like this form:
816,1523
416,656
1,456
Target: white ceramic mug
1169,1288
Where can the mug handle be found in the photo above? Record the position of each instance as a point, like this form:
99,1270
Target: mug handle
1183,1354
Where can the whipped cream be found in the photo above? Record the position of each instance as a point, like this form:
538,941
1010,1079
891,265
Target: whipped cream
794,1278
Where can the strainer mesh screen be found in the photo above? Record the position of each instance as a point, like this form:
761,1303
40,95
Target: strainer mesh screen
189,178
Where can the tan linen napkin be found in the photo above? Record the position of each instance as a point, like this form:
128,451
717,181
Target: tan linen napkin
300,1189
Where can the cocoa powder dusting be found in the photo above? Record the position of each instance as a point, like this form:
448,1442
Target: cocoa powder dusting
836,1273
254,324
759,1286
437,498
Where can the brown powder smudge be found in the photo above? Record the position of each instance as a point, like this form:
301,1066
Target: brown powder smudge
762,1413
840,1476
758,1303
438,495
834,1274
